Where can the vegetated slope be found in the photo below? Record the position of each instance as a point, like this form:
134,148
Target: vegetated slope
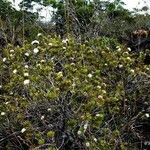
65,95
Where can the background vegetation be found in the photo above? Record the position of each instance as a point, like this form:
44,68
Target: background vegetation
73,83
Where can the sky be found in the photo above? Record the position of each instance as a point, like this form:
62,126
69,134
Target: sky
130,4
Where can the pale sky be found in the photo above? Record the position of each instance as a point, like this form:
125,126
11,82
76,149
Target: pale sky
130,4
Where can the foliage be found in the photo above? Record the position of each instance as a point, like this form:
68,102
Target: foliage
84,92
17,24
69,15
60,94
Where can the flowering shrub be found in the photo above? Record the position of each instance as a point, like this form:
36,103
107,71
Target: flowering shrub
59,94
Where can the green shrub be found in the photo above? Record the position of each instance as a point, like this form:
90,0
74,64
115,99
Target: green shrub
66,95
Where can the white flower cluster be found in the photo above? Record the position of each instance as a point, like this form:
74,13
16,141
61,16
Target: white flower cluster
79,132
90,75
120,66
35,42
97,115
39,34
95,139
35,50
6,103
27,54
128,59
87,144
104,92
12,51
4,59
26,66
147,115
50,44
3,113
100,97
85,126
132,71
26,82
14,71
43,61
42,117
129,49
125,53
65,41
26,74
99,87
118,48
23,130
49,109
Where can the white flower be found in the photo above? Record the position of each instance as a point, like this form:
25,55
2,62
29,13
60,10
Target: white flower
72,58
11,55
11,93
65,41
42,61
132,71
26,66
129,49
26,74
103,52
72,64
106,64
26,82
6,103
23,130
73,84
79,132
108,48
11,51
97,115
100,97
49,109
99,87
52,58
26,54
147,115
3,113
95,139
4,59
38,65
64,48
120,66
119,49
60,74
128,58
90,75
42,117
87,144
85,126
103,91
35,50
15,71
126,53
104,84
35,42
0,86
50,44
39,34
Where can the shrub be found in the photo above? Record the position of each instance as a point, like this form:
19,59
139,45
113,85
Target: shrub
65,95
